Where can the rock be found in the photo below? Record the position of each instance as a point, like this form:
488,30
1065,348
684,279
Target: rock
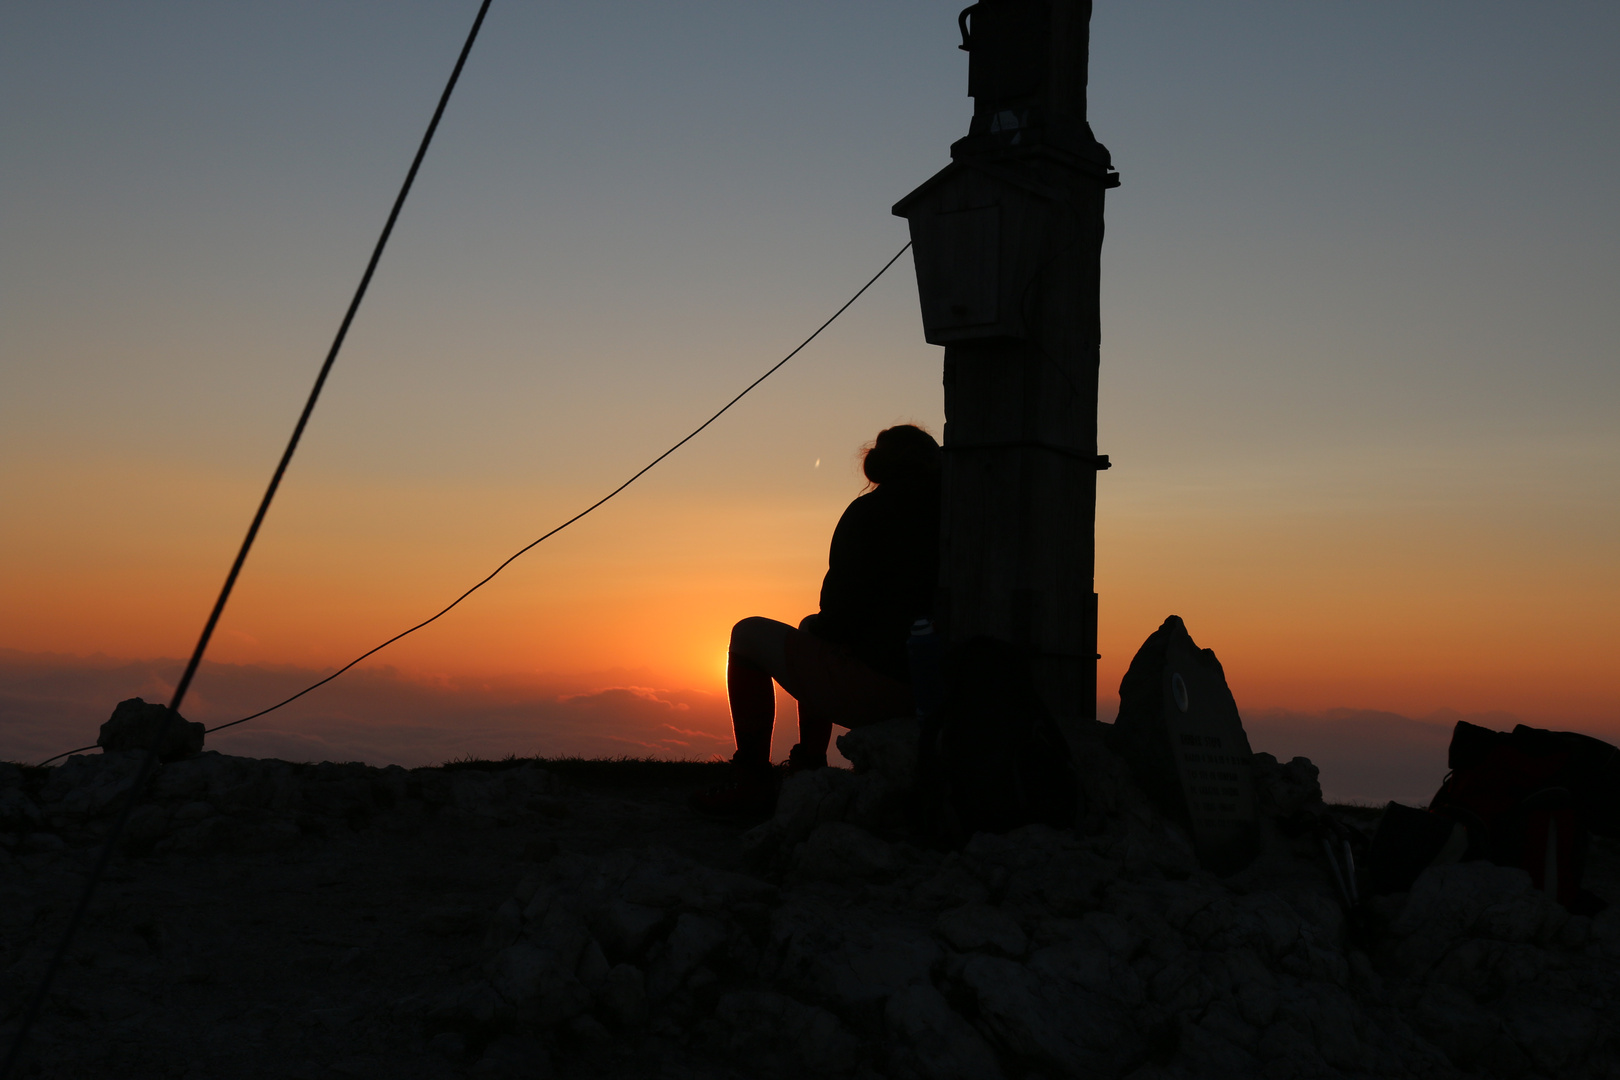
664,879
1446,900
1605,930
1554,1034
1159,848
17,811
1458,1026
1036,953
933,1042
1526,916
472,1010
980,927
623,996
625,928
476,794
588,1029
505,926
694,938
1115,934
450,921
1107,788
1288,1052
516,1056
1041,868
887,749
1041,1015
838,851
1254,986
562,931
1281,791
136,725
784,1036
192,812
952,885
806,800
875,796
851,960
1445,903
884,757
538,983
593,968
85,785
448,1045
37,843
1221,1043
1328,1016
148,823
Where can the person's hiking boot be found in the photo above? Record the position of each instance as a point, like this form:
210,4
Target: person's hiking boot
750,792
801,760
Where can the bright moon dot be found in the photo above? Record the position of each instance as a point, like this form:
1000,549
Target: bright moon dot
818,463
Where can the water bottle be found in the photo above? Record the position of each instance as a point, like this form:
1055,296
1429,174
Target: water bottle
923,657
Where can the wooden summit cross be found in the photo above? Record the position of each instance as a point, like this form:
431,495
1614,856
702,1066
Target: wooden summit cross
1007,240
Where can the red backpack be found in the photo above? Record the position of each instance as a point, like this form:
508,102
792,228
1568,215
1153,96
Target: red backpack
1530,798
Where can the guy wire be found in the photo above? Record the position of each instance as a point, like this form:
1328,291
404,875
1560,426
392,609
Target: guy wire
150,759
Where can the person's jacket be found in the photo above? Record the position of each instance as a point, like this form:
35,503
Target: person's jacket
881,573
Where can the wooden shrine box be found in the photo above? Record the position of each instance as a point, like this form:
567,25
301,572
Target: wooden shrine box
980,234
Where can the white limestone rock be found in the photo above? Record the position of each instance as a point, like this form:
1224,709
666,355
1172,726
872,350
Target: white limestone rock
933,1042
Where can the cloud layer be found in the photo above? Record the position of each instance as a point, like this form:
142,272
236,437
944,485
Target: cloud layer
51,703
54,703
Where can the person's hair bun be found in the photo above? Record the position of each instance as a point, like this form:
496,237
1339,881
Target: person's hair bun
902,453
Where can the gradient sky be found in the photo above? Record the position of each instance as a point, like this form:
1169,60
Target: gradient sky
1360,378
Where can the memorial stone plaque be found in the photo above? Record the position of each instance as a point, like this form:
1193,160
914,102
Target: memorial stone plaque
1211,756
1179,729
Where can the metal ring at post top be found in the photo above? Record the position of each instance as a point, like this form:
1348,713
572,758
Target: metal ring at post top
962,25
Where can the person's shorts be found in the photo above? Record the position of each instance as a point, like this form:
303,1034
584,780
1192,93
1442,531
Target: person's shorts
832,684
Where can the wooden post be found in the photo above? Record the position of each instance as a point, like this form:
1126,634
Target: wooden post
1007,241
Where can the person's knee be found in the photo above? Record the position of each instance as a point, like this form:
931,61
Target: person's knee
747,636
760,642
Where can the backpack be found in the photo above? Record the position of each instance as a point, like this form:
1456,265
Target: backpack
991,757
1179,730
1531,798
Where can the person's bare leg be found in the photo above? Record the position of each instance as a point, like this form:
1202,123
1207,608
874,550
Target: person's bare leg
815,733
757,656
815,728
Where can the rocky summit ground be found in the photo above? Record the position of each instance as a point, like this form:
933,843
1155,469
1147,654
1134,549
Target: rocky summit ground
267,919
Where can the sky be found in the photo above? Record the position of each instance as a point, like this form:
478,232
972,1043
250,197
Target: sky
1359,376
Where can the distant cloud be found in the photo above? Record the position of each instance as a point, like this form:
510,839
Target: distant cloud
52,703
1366,755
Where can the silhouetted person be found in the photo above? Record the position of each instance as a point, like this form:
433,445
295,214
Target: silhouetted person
846,665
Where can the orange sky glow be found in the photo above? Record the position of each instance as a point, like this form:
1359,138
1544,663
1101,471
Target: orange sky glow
1359,390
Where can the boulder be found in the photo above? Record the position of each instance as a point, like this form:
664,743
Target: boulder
784,1036
86,785
850,960
692,941
838,851
982,928
932,1042
137,725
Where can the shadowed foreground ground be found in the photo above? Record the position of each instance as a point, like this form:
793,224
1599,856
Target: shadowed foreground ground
574,919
